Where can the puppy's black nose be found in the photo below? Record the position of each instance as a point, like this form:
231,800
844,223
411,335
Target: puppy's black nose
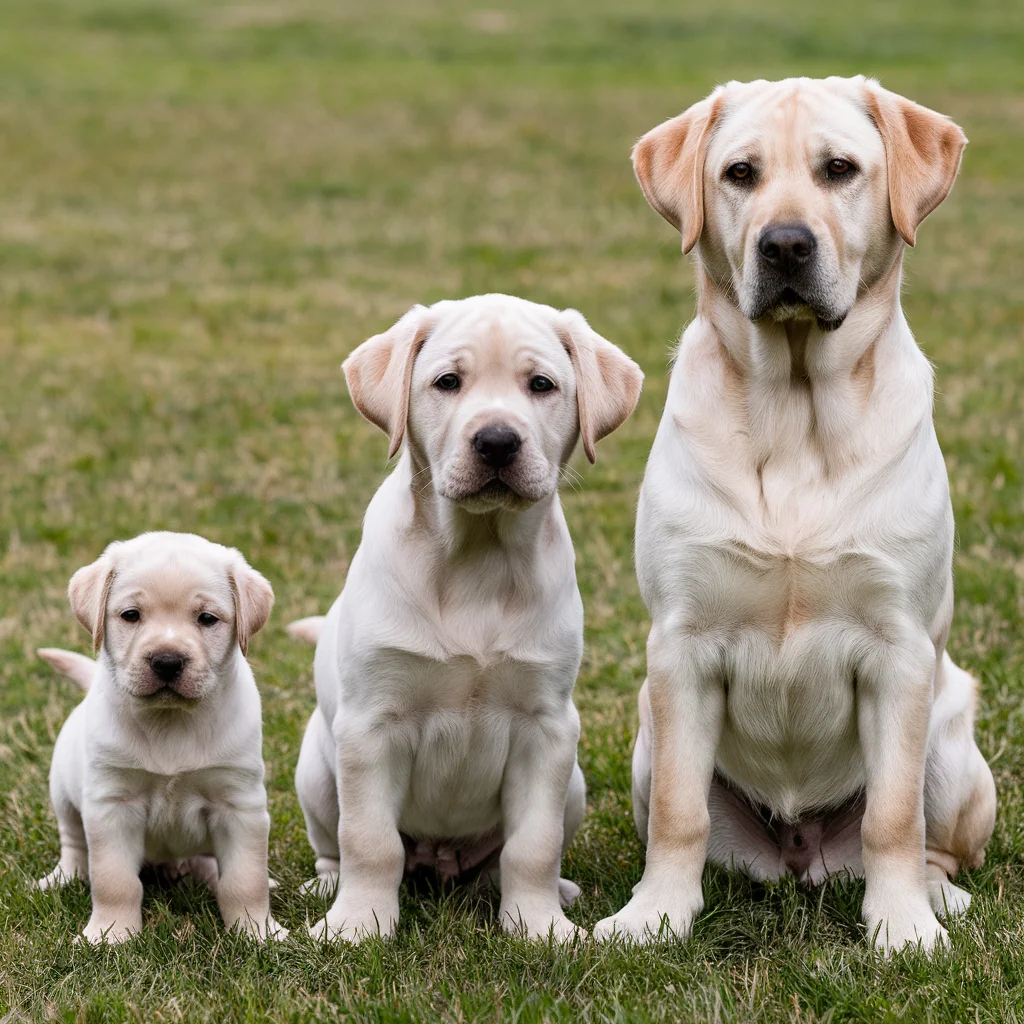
167,666
497,446
787,246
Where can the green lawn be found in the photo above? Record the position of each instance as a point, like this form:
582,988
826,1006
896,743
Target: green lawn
205,206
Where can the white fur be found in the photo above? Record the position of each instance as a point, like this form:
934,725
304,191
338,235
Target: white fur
794,547
444,671
173,780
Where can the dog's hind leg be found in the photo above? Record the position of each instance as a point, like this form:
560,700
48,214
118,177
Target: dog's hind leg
959,792
316,784
74,851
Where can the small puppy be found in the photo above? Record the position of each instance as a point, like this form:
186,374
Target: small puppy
794,537
444,671
161,762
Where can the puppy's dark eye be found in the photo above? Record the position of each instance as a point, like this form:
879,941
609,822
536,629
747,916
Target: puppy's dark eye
540,384
208,619
839,168
448,382
741,172
131,615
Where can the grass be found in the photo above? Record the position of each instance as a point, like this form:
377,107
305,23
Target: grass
205,206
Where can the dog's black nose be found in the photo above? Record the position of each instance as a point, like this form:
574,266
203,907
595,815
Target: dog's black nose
167,666
787,246
497,446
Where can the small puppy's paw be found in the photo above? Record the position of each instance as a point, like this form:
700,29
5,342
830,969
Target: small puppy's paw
901,928
541,926
568,892
56,879
352,919
948,900
261,931
98,932
651,918
322,886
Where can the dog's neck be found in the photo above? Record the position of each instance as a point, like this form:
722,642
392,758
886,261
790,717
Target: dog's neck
460,536
836,376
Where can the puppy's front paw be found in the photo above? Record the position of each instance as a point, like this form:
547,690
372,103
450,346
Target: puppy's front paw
99,931
261,931
908,925
652,917
56,879
948,900
537,923
354,918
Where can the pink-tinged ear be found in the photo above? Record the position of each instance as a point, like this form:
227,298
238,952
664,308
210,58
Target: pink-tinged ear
608,382
379,373
669,164
922,156
88,592
254,597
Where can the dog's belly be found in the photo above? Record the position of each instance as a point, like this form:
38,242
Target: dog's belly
790,738
455,786
177,820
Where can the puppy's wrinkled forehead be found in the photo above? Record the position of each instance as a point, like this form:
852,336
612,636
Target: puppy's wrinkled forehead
492,341
171,579
792,124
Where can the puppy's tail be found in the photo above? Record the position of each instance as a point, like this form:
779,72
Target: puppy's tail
307,629
77,667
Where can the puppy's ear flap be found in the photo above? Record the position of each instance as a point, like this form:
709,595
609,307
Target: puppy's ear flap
253,596
608,382
379,373
922,156
669,164
88,592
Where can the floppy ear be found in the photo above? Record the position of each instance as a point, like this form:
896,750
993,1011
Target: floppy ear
253,596
608,382
669,164
922,156
88,592
379,373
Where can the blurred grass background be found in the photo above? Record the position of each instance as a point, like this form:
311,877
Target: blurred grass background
204,206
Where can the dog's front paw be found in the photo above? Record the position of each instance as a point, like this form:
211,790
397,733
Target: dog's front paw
56,879
948,900
652,917
323,886
903,926
354,918
99,931
540,924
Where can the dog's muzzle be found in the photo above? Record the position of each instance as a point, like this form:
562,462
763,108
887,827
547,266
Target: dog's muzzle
166,677
789,278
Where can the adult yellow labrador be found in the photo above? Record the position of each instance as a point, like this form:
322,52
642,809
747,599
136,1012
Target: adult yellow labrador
795,533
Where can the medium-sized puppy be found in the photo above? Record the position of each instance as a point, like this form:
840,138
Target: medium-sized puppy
444,671
161,763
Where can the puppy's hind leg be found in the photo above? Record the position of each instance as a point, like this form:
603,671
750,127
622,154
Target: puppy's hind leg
317,787
74,851
575,811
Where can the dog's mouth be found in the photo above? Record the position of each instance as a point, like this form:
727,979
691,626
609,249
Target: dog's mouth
166,697
790,304
496,488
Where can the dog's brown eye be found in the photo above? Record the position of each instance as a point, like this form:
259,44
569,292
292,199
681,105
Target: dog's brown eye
740,172
208,619
448,382
838,168
540,384
131,615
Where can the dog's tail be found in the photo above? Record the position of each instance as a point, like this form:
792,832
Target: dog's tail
77,667
308,629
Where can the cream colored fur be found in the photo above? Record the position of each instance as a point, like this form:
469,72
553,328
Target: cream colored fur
148,773
794,532
444,671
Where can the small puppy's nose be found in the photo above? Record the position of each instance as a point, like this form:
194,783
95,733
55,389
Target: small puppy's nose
787,246
497,445
167,666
